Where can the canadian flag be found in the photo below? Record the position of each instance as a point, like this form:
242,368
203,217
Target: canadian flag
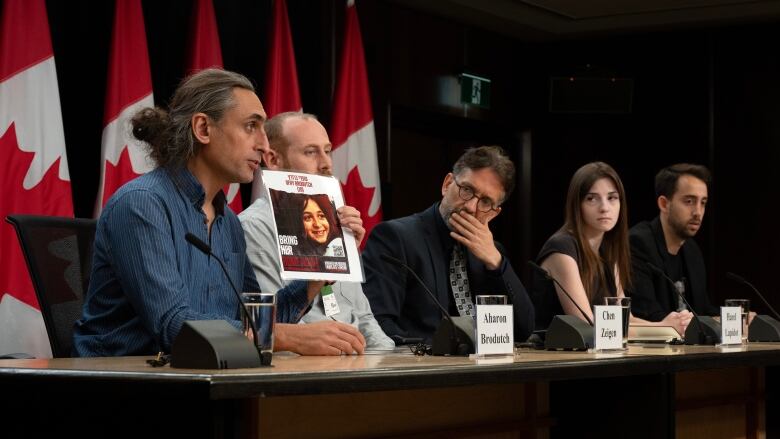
280,92
34,177
352,132
129,89
205,52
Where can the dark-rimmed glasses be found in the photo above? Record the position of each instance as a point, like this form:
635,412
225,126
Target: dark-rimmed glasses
466,193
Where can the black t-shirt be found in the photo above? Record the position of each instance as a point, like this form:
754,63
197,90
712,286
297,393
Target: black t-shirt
543,291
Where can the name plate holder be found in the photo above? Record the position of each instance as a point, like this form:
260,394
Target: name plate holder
730,325
495,330
608,325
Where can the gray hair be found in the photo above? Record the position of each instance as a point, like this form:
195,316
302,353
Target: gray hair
169,134
493,157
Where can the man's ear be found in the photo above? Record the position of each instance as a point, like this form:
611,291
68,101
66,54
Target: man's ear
200,128
273,160
448,179
663,203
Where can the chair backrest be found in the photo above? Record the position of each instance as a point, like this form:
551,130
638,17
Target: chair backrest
58,252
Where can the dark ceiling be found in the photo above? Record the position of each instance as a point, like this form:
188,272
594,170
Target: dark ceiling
561,19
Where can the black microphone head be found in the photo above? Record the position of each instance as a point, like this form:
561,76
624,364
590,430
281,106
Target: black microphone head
735,277
200,245
539,269
391,260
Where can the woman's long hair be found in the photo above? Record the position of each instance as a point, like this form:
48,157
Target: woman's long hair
615,250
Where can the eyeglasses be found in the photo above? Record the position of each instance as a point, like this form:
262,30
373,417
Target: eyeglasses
466,193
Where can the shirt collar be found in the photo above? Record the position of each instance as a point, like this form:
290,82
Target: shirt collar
443,231
193,190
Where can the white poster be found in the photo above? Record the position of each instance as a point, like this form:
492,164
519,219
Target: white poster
311,242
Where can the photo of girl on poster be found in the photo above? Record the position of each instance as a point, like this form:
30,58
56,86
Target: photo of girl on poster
310,235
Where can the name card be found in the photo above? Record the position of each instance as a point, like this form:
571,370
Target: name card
730,325
495,329
608,327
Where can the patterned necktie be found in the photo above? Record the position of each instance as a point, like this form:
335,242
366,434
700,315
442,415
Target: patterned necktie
459,281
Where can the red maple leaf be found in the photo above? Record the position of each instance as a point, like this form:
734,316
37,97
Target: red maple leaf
359,197
236,205
117,175
51,196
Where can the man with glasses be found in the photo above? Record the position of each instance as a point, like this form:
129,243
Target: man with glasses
451,248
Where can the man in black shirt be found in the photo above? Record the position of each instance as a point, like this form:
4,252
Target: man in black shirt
664,242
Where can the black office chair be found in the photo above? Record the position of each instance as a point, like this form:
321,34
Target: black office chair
58,252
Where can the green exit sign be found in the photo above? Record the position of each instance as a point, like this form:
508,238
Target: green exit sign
474,90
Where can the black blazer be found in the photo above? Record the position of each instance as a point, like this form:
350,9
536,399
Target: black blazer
400,304
652,297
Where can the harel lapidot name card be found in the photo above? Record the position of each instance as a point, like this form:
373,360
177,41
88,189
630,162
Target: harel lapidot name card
311,242
730,325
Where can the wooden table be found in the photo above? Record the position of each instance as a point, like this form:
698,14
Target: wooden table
688,391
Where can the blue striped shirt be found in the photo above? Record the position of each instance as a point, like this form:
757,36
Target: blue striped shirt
147,279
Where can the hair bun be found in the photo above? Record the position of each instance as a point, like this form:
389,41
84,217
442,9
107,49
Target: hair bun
149,124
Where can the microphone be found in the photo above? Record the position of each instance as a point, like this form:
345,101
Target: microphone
205,248
705,330
200,245
455,345
547,275
742,280
674,287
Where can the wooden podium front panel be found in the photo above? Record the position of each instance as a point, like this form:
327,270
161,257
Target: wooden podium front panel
720,403
494,410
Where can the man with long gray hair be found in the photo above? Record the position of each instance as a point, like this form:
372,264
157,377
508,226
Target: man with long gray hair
146,278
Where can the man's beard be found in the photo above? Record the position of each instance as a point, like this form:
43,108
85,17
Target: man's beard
681,230
448,213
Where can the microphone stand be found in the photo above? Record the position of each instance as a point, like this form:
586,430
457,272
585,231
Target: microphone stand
742,280
548,276
567,331
456,345
206,249
699,330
